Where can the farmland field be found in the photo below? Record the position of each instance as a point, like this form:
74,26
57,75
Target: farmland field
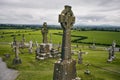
32,69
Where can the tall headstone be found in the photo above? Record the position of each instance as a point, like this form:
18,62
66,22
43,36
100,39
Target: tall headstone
16,60
65,69
110,50
80,57
14,42
113,49
22,43
45,47
44,32
30,46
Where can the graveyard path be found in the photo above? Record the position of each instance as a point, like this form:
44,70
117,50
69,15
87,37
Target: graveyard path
5,73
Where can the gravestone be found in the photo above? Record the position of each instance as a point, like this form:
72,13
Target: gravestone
30,46
14,42
22,43
110,50
80,57
36,43
65,69
113,49
44,50
16,60
44,32
93,47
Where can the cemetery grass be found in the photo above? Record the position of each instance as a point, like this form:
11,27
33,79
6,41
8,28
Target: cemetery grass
32,69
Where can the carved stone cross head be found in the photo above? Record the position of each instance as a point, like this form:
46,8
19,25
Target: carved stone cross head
66,18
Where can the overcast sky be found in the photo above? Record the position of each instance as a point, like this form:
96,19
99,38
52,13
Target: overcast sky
94,12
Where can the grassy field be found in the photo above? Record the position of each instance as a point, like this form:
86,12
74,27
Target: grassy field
32,69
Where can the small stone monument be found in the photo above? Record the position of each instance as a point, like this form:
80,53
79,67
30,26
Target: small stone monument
80,57
45,47
113,49
65,68
22,43
14,42
44,32
30,46
36,43
16,60
110,50
23,40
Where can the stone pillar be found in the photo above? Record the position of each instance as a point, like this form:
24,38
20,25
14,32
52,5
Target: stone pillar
113,49
14,41
65,69
16,60
110,50
44,32
30,46
80,57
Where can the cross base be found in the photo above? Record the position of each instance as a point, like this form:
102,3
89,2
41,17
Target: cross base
65,70
17,61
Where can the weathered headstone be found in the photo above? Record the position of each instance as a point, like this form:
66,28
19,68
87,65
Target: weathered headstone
80,57
113,49
16,60
14,42
45,47
30,46
110,50
65,69
23,41
36,43
44,32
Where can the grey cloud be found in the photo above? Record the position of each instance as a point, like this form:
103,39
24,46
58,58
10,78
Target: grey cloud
38,11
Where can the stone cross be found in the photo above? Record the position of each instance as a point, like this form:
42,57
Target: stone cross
66,19
22,42
80,57
14,41
44,32
65,68
30,46
110,50
17,60
16,50
113,49
23,38
36,44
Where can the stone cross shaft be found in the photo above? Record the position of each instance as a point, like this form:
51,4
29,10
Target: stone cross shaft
44,32
66,19
23,38
16,50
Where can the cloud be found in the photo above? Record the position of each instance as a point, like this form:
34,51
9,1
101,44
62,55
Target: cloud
37,11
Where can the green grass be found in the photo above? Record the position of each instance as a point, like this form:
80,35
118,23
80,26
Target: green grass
32,69
101,37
